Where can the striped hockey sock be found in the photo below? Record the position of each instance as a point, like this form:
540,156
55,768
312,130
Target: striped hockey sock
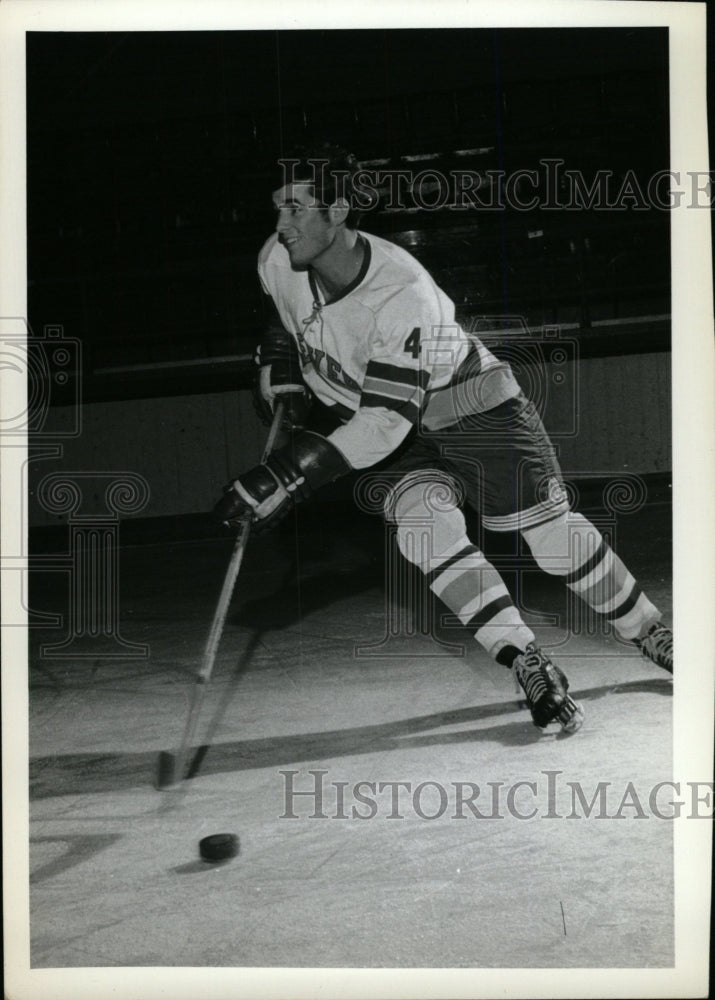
573,548
605,584
433,536
472,588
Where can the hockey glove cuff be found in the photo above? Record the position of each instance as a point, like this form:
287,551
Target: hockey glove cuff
290,474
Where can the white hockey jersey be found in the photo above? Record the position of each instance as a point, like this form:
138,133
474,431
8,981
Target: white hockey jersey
387,353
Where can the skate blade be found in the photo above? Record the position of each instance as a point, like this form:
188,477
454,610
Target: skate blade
571,716
568,719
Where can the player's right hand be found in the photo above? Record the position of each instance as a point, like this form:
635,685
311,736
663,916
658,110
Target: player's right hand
289,474
257,494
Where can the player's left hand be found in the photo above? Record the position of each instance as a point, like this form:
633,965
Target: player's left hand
280,378
257,493
276,382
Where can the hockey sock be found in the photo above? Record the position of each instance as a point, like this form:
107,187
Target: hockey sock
458,572
573,548
507,655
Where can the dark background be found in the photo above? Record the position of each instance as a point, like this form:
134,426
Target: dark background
150,157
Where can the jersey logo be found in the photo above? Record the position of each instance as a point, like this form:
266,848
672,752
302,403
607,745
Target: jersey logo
330,367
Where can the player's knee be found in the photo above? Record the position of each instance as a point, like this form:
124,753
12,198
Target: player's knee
563,544
428,527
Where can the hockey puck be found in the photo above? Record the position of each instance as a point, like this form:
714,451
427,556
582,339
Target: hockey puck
219,847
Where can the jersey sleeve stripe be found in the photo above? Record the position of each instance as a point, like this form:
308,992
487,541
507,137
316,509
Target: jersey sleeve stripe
397,373
393,390
406,408
340,411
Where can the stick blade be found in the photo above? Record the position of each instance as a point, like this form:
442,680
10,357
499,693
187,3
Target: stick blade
167,772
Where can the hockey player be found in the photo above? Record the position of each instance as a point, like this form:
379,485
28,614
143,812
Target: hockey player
361,326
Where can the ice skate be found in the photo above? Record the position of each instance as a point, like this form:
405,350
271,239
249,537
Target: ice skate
546,689
657,645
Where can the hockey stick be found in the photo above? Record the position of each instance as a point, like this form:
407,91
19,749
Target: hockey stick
171,767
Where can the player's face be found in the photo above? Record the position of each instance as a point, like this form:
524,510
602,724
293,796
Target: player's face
303,229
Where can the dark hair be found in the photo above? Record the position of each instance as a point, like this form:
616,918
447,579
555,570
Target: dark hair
329,169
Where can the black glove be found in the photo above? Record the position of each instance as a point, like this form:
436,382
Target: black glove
292,473
280,377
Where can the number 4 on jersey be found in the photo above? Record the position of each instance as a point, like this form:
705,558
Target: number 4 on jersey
412,344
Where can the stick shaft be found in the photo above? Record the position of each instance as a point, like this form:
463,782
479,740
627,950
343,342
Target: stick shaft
219,619
234,566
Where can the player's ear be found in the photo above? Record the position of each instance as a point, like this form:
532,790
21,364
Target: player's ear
338,211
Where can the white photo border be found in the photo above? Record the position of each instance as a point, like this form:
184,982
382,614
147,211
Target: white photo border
693,479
